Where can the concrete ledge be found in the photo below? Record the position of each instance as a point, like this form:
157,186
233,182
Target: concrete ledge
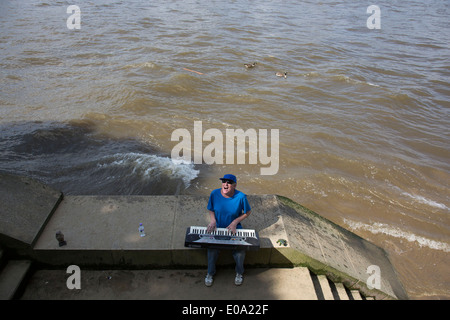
103,230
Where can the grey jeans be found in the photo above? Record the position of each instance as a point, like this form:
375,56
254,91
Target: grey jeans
238,255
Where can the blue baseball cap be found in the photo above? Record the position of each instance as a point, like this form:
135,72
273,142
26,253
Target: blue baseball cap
229,177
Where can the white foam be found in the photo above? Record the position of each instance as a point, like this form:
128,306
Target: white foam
147,165
426,201
382,228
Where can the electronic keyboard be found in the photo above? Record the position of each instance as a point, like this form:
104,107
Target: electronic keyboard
221,238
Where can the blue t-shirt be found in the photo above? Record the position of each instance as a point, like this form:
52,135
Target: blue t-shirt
227,209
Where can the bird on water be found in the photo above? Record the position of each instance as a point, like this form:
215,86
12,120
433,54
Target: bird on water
280,74
250,65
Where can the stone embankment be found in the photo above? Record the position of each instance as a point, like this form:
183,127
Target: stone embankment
320,260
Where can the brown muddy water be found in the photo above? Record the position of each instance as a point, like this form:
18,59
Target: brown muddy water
362,116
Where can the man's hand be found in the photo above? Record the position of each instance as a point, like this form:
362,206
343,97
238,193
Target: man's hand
211,227
232,227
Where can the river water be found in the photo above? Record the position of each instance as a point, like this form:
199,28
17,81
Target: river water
362,116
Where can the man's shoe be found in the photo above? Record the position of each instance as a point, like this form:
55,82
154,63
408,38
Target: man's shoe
238,280
209,280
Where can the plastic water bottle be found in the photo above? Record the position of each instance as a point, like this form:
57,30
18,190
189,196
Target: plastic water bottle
141,230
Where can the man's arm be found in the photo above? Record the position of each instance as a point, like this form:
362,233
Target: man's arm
235,222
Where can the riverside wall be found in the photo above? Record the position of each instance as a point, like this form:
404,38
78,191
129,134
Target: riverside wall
102,232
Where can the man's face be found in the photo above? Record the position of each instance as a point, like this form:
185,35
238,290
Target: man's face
228,187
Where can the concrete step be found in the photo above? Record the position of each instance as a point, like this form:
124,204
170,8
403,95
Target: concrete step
324,290
327,290
11,277
187,284
355,295
341,292
182,284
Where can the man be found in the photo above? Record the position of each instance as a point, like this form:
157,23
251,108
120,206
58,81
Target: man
227,208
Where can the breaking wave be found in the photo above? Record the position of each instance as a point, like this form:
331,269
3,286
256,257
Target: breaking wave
77,161
149,166
382,228
426,201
